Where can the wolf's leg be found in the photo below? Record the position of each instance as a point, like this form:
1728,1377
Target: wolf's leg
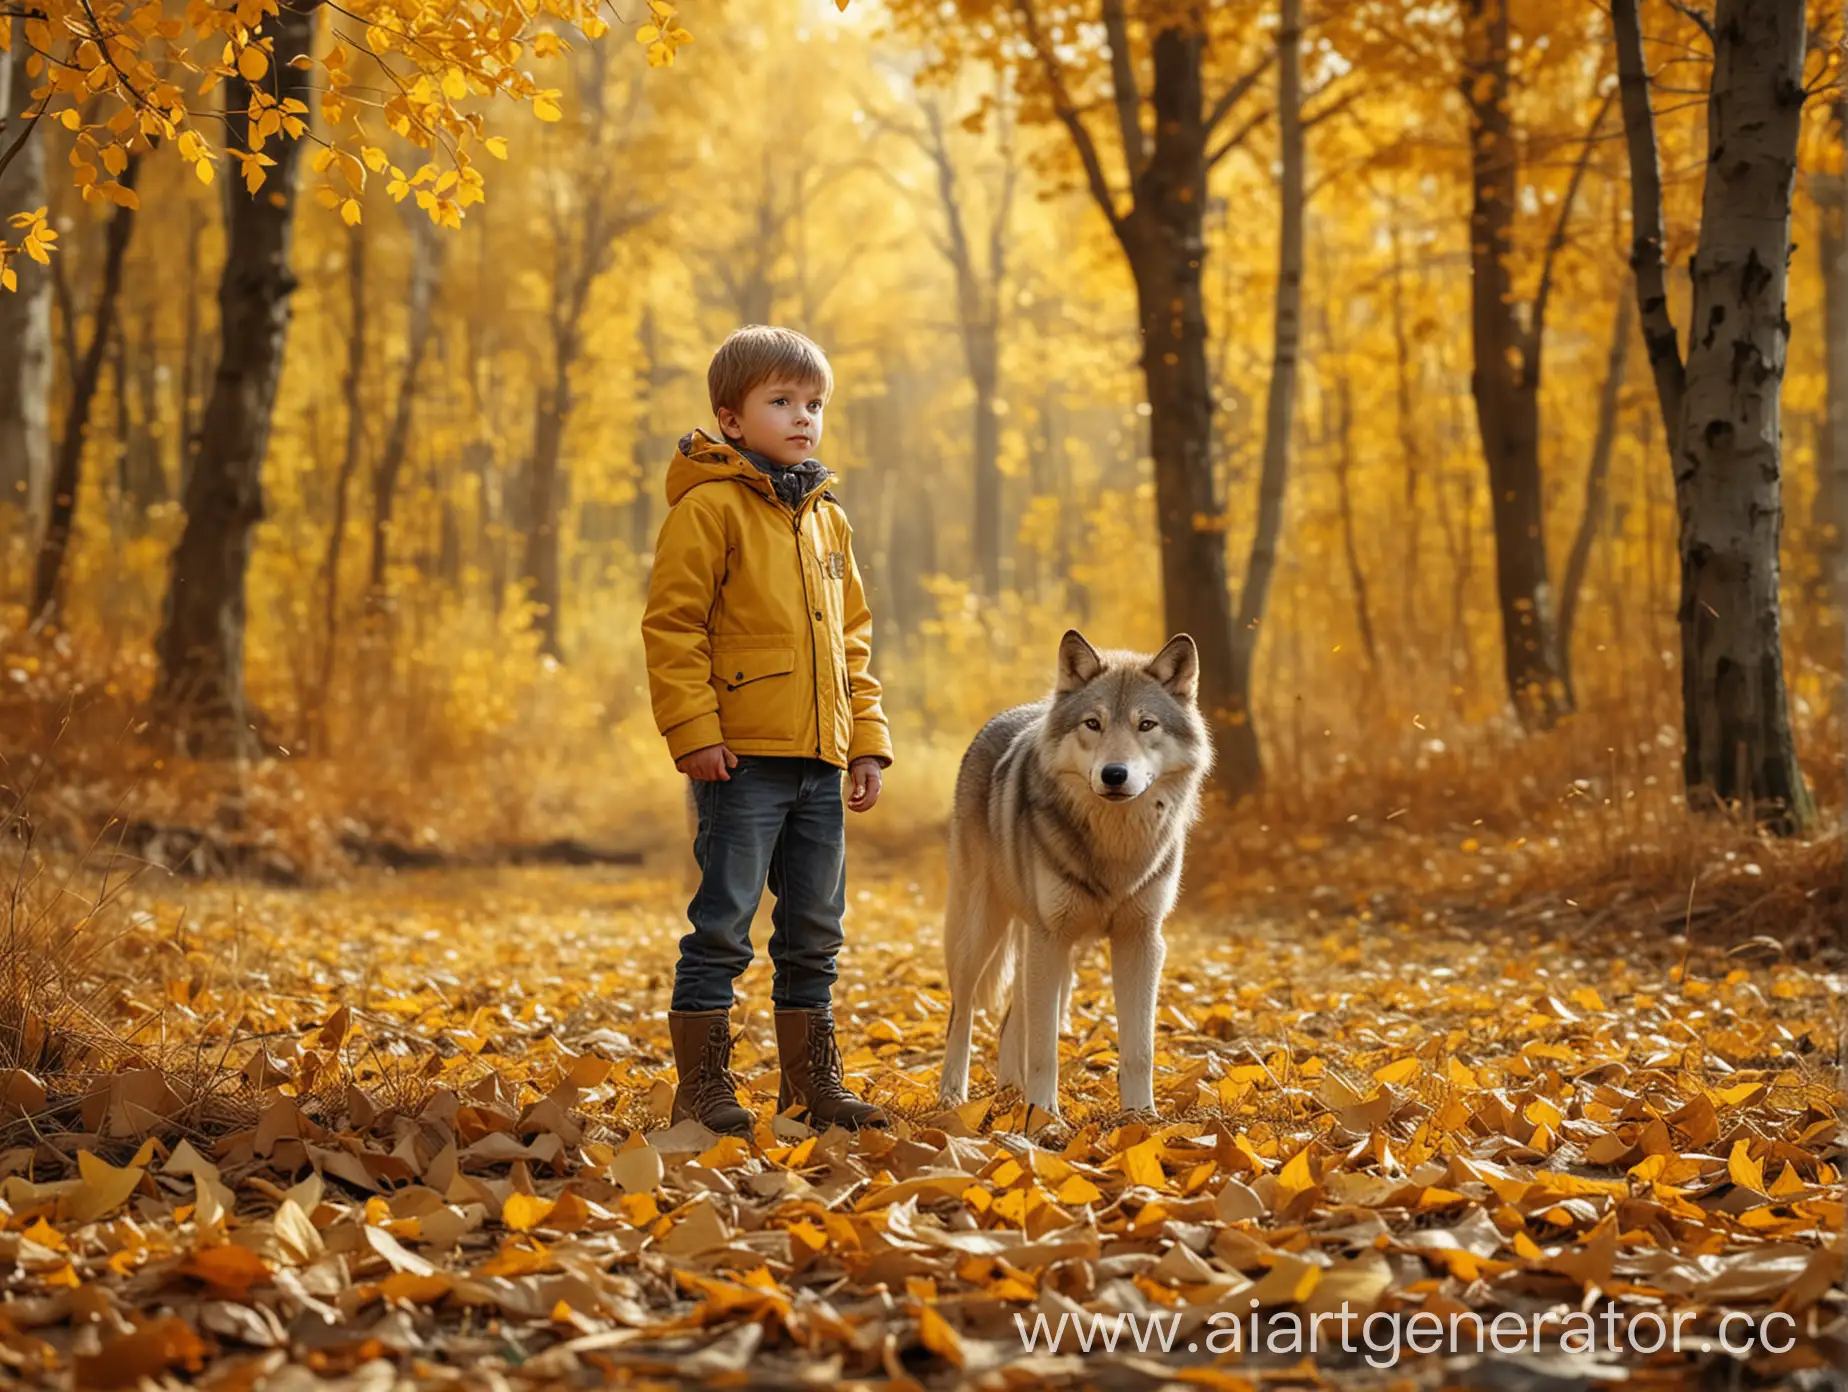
1135,969
975,945
1047,965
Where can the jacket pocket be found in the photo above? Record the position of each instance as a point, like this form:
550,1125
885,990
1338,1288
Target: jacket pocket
753,686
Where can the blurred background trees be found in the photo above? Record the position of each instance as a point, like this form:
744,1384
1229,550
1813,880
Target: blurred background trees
1145,317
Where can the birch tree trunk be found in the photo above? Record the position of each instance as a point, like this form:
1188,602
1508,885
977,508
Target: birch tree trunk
1727,471
1721,407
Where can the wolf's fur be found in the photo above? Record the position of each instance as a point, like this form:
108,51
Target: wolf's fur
1043,859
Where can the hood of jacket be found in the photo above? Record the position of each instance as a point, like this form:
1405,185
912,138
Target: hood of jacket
701,458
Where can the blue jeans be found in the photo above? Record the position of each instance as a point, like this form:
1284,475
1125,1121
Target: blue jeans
778,819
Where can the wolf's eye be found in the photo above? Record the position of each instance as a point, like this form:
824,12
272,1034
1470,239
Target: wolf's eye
1146,725
1092,723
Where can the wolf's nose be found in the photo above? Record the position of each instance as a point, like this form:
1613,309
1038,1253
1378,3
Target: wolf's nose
1115,775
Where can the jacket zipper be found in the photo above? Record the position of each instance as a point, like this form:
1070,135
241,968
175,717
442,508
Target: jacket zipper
809,604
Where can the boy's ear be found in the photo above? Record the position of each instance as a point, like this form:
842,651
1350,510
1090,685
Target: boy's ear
728,424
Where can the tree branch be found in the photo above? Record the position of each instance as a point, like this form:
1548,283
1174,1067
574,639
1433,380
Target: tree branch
1125,89
1536,328
1237,138
1700,17
1068,114
1236,92
1646,256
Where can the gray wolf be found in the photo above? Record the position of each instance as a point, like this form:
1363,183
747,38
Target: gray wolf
1068,825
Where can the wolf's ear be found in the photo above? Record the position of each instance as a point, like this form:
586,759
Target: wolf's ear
1078,661
1177,666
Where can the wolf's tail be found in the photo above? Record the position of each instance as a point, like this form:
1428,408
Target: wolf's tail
995,987
981,951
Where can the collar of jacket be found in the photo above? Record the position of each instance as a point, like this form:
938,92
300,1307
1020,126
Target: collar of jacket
700,458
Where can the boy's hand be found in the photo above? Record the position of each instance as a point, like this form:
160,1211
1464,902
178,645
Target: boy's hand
864,772
708,765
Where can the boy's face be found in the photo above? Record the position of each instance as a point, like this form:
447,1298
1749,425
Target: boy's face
779,418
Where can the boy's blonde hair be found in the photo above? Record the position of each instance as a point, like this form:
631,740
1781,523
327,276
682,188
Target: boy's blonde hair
758,352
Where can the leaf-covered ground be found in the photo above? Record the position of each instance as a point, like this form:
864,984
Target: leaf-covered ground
443,1155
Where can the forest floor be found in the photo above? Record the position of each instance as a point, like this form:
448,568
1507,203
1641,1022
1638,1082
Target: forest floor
413,1127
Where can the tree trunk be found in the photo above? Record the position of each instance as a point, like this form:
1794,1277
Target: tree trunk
1832,457
25,316
1164,238
314,723
1739,744
186,425
47,572
1505,382
198,696
1247,770
1410,457
397,441
540,567
1597,477
983,358
147,475
1342,393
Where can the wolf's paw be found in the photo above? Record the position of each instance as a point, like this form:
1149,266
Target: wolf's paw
949,1101
1148,1116
1048,1130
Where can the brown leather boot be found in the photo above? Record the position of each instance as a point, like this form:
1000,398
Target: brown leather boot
812,1073
707,1090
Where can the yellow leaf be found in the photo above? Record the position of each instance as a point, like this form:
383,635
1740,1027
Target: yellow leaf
1297,1176
349,212
455,85
546,109
497,146
103,1188
1461,1074
8,280
203,168
1142,1164
524,1212
70,118
936,1335
1400,1071
808,1235
45,1235
1745,1171
252,64
727,1153
1078,1190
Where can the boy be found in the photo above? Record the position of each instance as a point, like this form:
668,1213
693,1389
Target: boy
757,639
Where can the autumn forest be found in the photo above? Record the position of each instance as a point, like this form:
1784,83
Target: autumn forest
1465,379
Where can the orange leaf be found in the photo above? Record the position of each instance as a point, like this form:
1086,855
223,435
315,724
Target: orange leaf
524,1212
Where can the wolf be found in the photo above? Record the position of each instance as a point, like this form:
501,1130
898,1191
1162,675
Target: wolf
1069,822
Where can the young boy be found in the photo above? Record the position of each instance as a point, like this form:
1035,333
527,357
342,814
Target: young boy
757,636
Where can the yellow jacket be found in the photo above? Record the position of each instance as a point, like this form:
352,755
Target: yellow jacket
756,631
